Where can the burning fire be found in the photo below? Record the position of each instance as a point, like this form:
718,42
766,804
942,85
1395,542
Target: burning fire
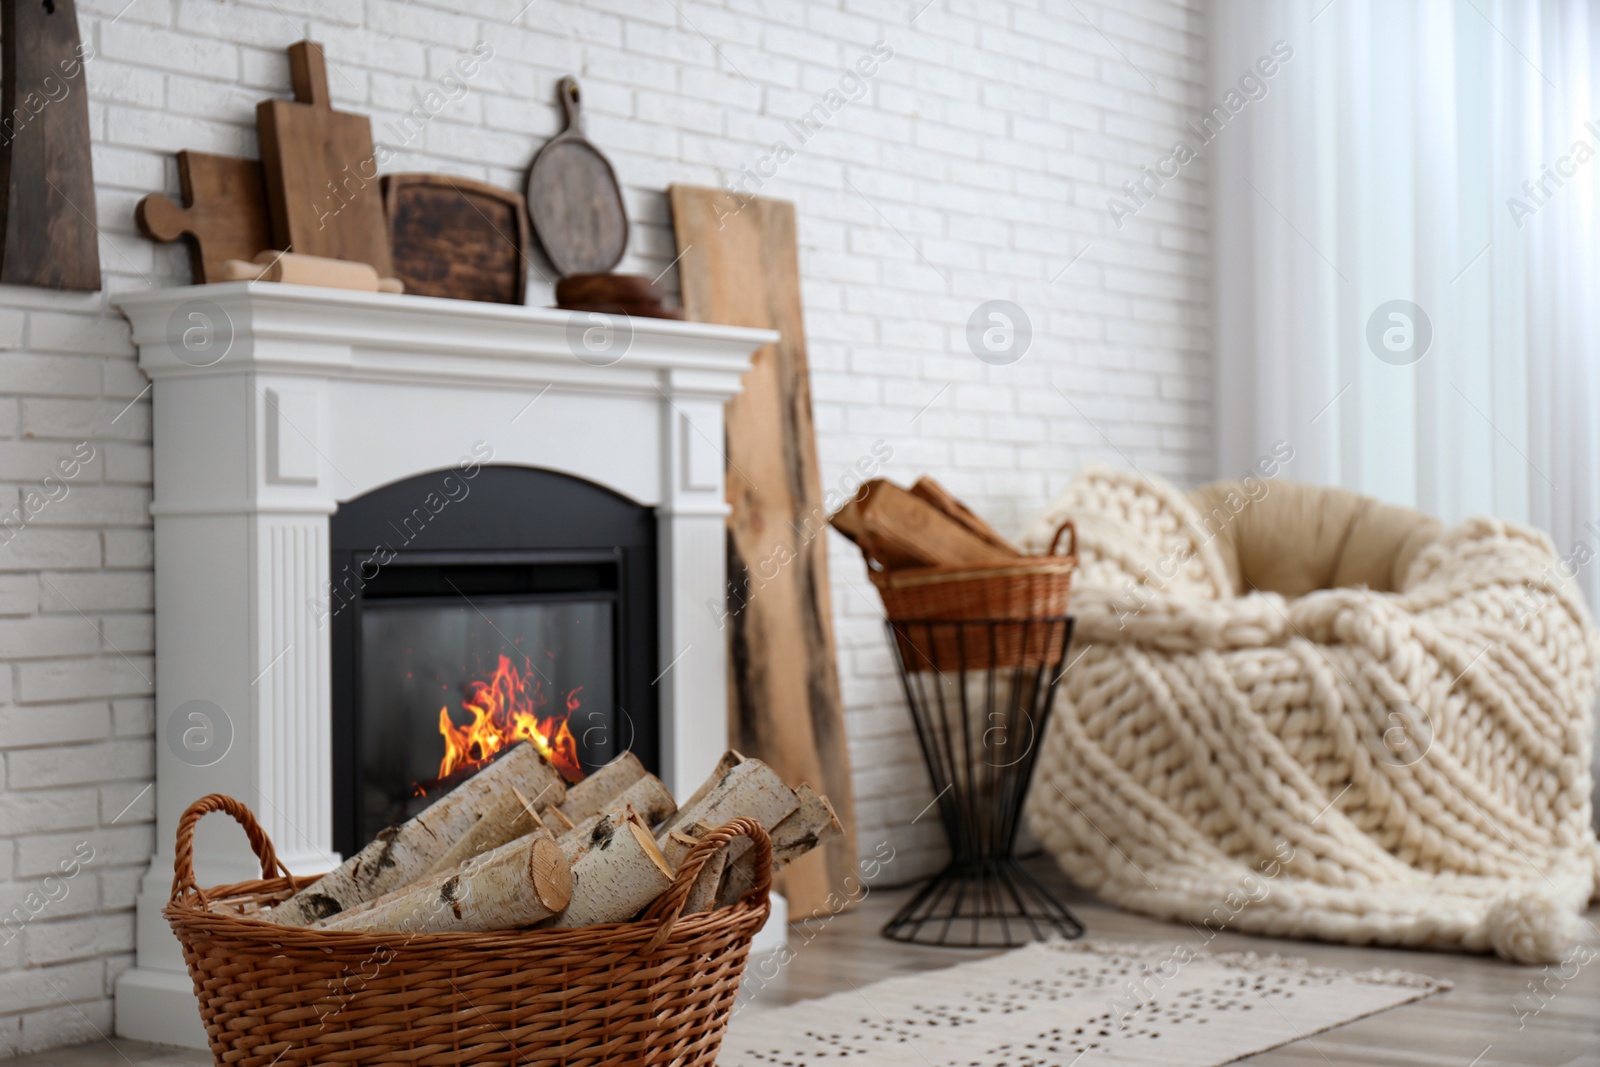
506,709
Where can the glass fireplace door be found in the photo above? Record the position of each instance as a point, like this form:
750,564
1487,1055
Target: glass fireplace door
446,684
525,608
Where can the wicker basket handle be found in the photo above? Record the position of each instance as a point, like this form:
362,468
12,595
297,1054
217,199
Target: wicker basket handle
668,907
183,862
1067,526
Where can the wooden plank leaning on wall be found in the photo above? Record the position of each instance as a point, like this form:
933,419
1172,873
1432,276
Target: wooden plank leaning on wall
739,265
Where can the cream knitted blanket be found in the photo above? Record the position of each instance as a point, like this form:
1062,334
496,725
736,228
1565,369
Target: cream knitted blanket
1406,768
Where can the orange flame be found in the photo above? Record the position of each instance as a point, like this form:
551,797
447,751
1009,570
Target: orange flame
505,709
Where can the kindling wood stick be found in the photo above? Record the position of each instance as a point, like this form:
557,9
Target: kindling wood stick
940,497
557,820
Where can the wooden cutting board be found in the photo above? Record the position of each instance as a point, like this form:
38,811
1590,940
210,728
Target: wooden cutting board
457,238
743,270
305,146
47,213
574,200
224,212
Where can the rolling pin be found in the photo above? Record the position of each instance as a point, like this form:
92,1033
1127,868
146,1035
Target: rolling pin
292,268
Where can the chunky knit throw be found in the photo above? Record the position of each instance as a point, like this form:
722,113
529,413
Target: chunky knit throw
1405,768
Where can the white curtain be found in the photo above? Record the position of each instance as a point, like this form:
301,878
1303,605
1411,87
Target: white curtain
1445,153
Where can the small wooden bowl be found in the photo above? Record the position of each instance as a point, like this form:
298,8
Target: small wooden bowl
629,294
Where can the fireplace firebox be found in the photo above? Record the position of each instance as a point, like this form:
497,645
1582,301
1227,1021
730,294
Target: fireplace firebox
476,607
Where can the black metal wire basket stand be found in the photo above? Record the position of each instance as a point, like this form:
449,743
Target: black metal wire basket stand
980,714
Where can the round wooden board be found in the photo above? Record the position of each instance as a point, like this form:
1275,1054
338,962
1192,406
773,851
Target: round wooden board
574,201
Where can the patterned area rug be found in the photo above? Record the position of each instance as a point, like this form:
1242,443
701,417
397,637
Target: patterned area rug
1055,1004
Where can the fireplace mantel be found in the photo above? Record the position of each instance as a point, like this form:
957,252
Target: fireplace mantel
363,353
272,404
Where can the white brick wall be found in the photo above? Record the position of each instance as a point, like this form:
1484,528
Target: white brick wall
975,167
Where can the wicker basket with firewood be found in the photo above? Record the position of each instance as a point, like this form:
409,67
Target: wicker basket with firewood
938,566
516,920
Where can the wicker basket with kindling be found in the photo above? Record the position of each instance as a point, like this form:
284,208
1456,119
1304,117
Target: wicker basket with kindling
1026,596
656,991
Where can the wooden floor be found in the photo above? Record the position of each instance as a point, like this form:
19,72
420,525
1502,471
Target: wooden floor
1474,1025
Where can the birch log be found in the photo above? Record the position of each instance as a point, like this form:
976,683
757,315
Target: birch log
510,817
616,878
730,759
432,880
527,884
808,826
811,824
596,792
401,853
647,796
750,789
591,831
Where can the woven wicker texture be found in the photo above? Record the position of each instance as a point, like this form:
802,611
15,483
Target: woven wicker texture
1029,588
656,991
1402,768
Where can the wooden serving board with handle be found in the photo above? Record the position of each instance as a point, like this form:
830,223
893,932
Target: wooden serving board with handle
574,200
457,238
321,171
47,214
224,212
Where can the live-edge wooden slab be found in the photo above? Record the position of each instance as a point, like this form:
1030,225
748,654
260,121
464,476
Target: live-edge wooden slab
742,269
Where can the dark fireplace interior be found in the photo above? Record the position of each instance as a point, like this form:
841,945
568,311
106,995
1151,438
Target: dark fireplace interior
476,607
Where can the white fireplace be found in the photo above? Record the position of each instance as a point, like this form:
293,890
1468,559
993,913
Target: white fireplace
272,405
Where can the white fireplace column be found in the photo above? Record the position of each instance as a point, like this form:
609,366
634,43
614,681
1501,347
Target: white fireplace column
272,405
